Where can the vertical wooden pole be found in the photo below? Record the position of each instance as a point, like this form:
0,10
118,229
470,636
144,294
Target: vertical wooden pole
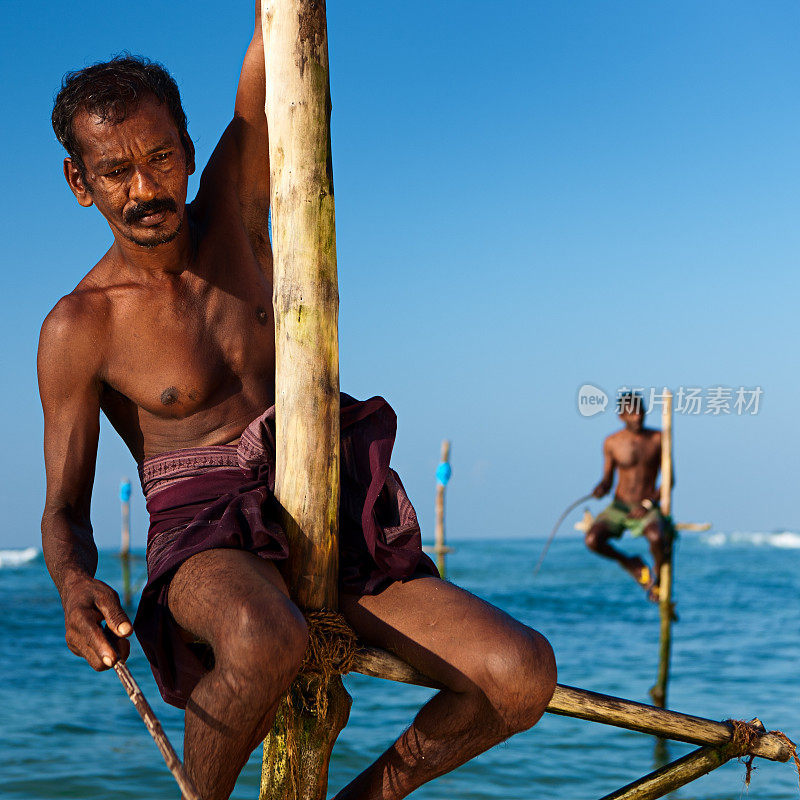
125,544
659,691
442,477
306,301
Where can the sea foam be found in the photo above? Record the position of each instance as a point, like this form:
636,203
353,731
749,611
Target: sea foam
16,558
786,540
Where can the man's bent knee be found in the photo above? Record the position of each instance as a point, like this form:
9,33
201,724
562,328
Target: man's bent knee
263,643
521,681
653,532
595,537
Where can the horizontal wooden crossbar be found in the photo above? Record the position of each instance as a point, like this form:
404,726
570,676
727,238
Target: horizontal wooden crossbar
571,702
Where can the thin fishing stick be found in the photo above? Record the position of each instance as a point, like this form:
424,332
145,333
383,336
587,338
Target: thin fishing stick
555,530
156,731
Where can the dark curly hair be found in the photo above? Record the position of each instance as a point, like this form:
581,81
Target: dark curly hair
112,90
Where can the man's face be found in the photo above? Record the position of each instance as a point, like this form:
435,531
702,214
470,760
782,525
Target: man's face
631,418
136,173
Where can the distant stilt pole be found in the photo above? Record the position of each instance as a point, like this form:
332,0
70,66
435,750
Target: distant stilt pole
443,472
666,608
125,546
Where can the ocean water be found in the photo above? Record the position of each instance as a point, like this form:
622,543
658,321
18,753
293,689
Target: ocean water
68,732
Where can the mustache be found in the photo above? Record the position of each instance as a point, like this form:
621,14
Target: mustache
141,210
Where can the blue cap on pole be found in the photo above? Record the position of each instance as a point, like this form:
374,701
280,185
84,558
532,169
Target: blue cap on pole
443,473
125,491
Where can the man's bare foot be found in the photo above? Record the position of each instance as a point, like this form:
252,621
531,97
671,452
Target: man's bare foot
644,577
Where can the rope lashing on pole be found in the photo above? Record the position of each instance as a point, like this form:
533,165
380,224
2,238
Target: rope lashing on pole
567,510
746,733
331,650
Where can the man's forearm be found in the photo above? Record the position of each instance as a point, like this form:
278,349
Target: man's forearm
655,495
69,549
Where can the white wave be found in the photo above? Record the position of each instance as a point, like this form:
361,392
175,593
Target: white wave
16,558
786,540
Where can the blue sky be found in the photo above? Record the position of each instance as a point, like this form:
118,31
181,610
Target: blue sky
529,197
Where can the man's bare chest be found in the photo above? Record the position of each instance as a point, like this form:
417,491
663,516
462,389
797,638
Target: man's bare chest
184,352
635,451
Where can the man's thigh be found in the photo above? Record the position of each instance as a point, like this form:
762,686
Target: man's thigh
210,589
610,523
443,631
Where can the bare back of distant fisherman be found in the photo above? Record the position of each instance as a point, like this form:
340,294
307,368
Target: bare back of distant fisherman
171,334
634,453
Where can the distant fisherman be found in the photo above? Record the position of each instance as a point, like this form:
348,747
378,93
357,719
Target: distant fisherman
635,453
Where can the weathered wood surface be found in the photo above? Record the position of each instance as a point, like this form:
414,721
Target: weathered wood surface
305,298
693,527
571,702
674,775
666,455
666,611
306,302
312,741
381,664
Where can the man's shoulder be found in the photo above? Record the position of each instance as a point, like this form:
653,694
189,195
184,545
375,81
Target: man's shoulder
78,319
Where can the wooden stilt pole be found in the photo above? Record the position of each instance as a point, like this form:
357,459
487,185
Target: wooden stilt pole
306,302
442,477
665,604
125,545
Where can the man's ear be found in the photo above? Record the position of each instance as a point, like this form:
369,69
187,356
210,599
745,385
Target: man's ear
188,147
76,183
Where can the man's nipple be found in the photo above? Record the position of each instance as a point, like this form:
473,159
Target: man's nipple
169,396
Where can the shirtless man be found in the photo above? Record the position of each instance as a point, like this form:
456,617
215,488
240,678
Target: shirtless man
171,335
635,452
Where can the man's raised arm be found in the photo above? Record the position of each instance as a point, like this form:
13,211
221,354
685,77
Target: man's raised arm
607,481
69,386
241,159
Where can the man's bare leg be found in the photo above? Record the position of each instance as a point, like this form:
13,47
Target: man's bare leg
597,540
239,604
657,540
498,673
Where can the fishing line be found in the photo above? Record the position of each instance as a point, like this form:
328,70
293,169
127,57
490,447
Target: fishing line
553,533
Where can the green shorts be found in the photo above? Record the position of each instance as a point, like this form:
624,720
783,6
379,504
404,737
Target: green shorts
615,519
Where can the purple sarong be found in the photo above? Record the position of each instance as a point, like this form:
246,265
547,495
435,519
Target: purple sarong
203,498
